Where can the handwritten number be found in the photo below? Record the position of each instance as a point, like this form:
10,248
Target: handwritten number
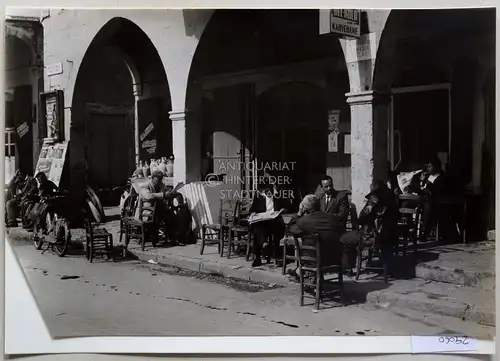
464,340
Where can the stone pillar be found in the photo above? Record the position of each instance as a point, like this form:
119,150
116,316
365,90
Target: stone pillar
369,125
178,118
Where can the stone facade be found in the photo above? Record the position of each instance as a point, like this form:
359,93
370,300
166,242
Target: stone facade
179,35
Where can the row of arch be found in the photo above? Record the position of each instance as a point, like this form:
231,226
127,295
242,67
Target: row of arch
231,41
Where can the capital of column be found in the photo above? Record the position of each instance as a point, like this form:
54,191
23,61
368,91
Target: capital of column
368,97
178,115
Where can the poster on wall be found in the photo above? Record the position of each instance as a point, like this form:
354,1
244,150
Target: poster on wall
333,142
53,109
51,161
333,130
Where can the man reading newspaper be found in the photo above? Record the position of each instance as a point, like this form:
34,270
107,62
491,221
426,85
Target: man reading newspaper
265,219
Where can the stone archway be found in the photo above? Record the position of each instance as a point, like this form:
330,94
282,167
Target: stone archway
265,48
121,88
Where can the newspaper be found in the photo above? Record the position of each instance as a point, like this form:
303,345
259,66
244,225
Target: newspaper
266,216
404,180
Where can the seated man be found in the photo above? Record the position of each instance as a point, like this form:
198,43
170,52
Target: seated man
45,186
180,221
429,185
379,215
332,201
20,190
263,202
153,194
310,220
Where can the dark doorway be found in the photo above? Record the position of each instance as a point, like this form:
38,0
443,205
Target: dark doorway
421,127
22,116
110,155
291,129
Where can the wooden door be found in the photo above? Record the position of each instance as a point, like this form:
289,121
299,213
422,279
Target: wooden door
109,155
232,141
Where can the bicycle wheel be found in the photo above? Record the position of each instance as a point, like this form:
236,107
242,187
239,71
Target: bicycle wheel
63,237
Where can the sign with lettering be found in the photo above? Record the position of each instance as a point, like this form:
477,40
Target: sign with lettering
364,48
51,161
146,132
54,69
346,22
23,129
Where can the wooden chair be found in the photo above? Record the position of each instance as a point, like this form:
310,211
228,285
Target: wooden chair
239,230
142,228
128,210
370,243
98,242
409,223
408,228
288,242
218,230
310,261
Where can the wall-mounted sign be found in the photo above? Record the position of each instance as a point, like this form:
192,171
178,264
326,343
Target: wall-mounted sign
53,108
333,130
346,22
333,120
54,69
51,161
333,142
146,132
364,48
23,129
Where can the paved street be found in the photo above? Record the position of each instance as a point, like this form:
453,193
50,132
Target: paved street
131,298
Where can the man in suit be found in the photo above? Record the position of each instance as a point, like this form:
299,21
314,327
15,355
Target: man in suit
310,220
332,201
265,201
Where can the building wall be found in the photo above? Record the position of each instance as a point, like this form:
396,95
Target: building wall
23,69
174,33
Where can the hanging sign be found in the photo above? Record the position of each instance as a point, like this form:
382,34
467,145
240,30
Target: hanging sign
346,22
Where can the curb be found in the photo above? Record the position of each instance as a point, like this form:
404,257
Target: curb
484,280
464,312
198,265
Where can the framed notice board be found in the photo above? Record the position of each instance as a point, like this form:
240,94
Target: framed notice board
51,161
52,107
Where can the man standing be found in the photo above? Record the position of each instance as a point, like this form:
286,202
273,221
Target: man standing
334,202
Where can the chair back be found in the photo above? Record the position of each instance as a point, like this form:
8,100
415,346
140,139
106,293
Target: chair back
242,211
146,210
227,213
352,217
308,250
